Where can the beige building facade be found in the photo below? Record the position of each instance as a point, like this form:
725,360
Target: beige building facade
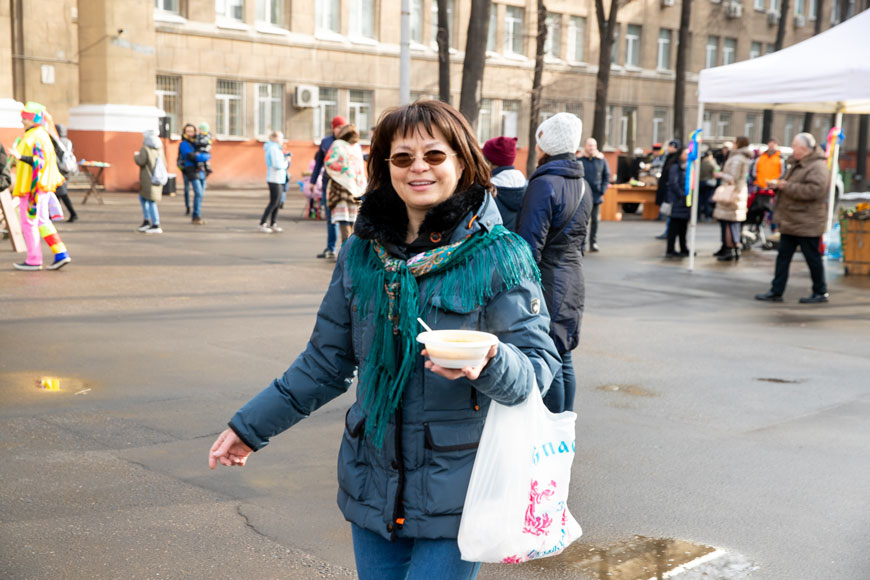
246,67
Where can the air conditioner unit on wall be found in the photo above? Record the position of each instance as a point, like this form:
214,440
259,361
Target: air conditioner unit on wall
772,17
734,9
799,20
306,96
667,2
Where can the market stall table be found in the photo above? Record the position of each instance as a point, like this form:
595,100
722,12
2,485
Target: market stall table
624,193
94,177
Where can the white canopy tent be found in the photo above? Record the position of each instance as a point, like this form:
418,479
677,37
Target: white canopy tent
828,73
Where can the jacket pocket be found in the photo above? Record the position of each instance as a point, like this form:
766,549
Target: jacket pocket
353,468
451,447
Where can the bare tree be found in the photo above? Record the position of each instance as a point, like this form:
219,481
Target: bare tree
767,117
443,39
680,81
606,29
475,60
536,85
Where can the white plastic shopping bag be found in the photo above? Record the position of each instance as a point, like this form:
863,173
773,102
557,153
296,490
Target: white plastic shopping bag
516,506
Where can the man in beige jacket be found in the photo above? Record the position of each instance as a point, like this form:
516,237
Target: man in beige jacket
801,214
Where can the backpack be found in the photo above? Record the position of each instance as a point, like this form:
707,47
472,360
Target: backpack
66,161
159,176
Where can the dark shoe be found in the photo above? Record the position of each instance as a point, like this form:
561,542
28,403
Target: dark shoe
769,297
59,263
27,267
593,247
732,254
145,225
187,211
674,255
327,254
720,252
72,218
814,299
664,236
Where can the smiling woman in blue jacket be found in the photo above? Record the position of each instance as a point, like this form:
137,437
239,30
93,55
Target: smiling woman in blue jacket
553,220
428,242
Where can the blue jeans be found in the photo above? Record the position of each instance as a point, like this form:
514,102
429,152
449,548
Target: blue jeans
186,192
560,397
408,559
149,210
198,192
331,228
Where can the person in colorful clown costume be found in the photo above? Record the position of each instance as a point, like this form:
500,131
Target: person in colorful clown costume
37,176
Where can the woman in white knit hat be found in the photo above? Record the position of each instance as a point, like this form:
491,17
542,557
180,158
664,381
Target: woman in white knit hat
553,220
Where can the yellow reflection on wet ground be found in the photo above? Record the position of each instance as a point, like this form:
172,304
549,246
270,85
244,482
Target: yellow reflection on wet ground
45,381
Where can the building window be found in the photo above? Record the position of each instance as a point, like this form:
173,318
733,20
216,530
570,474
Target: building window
774,6
417,21
575,109
814,9
758,5
271,12
659,124
632,45
434,16
712,57
707,125
751,128
792,123
576,38
614,48
484,121
608,126
167,5
510,118
755,50
513,30
627,124
362,18
799,7
326,15
663,61
327,108
232,9
490,33
553,43
729,50
770,49
548,109
360,112
168,99
723,125
270,108
230,116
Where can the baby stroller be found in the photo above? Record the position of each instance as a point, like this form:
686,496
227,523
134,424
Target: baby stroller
313,209
760,205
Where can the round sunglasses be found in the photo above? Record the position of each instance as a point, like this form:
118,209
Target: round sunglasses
405,160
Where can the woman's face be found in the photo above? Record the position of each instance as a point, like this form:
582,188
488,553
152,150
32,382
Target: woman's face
422,186
189,132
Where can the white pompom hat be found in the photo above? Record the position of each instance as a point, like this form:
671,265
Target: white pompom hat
560,133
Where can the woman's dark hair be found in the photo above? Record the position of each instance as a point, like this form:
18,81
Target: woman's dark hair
741,142
184,129
423,116
349,133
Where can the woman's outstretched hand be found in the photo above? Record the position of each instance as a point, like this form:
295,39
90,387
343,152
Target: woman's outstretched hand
229,450
470,373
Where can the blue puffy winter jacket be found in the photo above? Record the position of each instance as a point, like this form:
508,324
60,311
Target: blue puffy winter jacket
414,484
190,159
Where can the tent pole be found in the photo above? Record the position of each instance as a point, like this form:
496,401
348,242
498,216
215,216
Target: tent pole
835,169
693,220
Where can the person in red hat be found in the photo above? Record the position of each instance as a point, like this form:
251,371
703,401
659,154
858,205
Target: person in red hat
509,182
331,229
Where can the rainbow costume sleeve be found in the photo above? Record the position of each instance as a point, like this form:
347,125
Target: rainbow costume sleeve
694,149
38,165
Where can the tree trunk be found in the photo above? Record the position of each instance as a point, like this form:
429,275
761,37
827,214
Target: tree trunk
820,9
606,28
535,112
443,40
767,118
680,81
475,60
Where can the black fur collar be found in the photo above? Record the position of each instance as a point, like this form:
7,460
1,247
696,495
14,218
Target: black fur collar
382,216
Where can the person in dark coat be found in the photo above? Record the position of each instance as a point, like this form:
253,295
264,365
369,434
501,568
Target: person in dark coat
553,220
331,228
596,172
509,182
62,192
429,227
679,219
673,156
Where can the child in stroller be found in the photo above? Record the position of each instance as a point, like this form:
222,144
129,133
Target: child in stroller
313,194
760,205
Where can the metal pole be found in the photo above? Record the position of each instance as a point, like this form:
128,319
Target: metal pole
835,169
693,220
405,55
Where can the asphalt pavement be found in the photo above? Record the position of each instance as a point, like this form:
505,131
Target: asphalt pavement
709,423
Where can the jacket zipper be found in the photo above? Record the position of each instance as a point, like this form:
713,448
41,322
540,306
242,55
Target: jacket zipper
399,502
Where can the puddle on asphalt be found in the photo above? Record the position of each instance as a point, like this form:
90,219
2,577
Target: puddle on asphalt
780,381
644,558
45,382
633,390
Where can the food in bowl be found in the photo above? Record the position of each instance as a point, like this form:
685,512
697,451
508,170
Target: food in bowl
456,349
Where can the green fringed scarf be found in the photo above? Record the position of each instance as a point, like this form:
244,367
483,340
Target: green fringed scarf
461,277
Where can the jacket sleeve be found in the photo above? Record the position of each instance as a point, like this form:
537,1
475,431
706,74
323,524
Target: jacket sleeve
813,187
605,178
318,163
141,157
526,353
536,216
323,371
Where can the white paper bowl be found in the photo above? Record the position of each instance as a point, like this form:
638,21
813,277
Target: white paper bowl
456,349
